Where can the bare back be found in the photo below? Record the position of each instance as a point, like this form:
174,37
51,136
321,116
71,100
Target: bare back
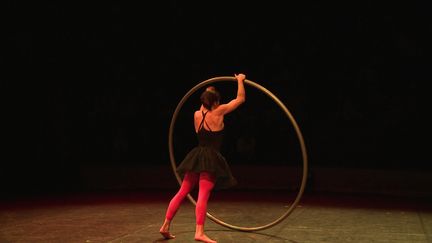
213,120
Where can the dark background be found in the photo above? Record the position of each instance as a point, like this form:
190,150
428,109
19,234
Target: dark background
97,84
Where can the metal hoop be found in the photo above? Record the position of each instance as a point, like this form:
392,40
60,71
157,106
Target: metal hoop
294,123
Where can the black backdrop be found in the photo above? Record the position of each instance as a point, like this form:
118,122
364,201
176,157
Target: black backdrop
96,84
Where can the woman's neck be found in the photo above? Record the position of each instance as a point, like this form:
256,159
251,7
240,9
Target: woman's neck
204,109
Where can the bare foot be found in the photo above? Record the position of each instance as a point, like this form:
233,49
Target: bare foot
167,235
164,230
204,238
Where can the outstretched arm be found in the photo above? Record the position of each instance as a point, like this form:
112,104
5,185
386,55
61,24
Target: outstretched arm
240,99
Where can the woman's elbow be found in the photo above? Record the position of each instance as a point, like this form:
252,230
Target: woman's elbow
242,99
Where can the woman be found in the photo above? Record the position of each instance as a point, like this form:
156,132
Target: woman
204,164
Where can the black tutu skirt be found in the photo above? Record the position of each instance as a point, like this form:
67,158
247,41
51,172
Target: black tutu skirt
203,158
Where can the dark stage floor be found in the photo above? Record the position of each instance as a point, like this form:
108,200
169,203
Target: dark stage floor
137,216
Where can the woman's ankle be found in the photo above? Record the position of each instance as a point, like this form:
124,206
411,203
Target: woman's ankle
199,230
166,225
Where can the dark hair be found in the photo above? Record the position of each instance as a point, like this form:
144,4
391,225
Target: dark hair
210,97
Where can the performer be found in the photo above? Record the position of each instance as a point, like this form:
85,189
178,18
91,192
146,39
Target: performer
204,164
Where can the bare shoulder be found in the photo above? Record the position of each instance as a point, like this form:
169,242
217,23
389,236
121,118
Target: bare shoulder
220,110
197,113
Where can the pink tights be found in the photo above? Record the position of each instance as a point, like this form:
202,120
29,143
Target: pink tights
206,184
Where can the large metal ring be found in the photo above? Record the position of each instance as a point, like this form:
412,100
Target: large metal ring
297,130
